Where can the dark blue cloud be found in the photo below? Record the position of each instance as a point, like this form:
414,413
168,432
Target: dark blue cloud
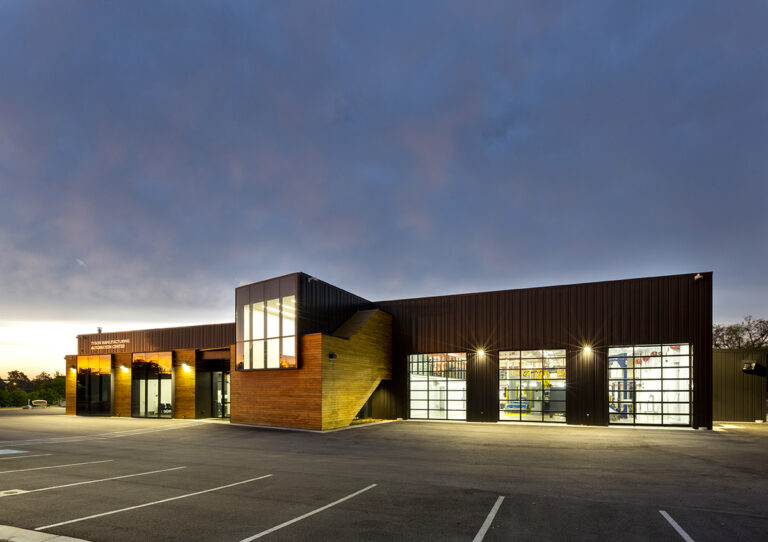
394,148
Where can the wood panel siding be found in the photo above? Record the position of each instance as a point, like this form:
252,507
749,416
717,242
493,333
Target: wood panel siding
184,384
671,309
280,397
158,340
363,358
121,385
70,384
738,396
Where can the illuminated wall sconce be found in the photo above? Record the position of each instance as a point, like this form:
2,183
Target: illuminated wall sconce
587,349
72,369
123,368
480,352
187,368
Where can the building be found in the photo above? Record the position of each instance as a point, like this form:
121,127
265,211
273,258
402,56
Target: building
303,353
739,385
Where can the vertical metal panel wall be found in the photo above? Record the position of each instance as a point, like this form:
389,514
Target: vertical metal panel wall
322,307
670,309
159,340
737,396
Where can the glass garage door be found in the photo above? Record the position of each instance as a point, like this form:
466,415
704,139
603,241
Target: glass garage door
650,384
532,385
438,386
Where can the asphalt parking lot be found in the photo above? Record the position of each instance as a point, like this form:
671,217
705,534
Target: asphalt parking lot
106,479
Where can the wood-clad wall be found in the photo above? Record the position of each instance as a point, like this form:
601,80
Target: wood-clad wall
184,384
70,384
361,361
738,396
280,397
121,385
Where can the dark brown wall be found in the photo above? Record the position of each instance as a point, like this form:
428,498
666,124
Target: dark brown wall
667,309
161,340
738,396
324,307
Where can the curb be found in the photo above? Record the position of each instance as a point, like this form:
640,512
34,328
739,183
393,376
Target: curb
14,534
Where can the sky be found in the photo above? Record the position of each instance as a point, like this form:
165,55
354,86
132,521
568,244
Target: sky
155,155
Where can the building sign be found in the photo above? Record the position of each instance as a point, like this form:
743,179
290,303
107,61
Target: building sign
113,344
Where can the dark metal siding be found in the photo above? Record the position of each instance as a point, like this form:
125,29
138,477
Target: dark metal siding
482,388
637,311
322,307
160,340
737,396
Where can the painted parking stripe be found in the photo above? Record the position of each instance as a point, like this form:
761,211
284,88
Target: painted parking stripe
677,527
312,513
8,451
488,520
57,466
100,436
23,456
150,503
93,481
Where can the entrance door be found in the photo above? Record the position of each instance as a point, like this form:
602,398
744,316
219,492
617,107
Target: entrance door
220,395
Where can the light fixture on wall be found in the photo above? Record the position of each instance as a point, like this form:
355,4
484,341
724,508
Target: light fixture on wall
186,368
331,356
587,349
73,369
123,368
480,352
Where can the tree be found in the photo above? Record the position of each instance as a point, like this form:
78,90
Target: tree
750,333
19,380
53,390
40,379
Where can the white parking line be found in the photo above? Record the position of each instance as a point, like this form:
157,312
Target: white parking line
488,520
23,456
113,434
150,503
312,513
57,466
677,527
93,481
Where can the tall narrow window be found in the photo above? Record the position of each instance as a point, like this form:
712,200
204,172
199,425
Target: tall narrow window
270,309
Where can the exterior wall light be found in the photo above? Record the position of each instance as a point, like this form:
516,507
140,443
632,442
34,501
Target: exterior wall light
587,349
187,368
480,352
123,368
73,369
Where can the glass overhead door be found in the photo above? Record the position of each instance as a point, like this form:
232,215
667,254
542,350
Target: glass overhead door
532,385
438,386
650,384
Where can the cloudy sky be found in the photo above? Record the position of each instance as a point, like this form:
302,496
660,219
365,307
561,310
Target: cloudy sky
155,155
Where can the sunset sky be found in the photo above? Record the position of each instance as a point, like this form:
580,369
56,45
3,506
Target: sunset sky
155,155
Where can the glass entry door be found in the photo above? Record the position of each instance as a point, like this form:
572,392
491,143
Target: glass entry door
220,383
